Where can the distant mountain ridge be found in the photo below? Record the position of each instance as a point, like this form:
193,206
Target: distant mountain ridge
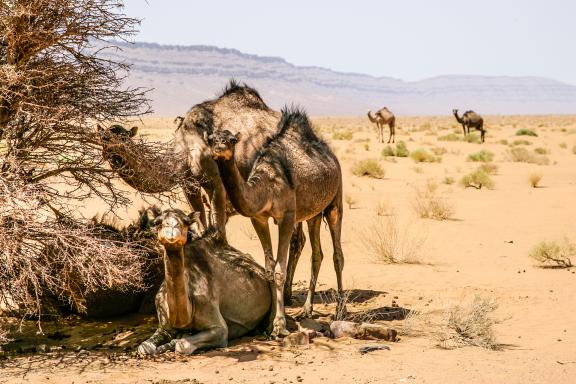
185,75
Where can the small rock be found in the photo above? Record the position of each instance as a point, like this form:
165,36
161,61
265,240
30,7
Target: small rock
296,338
340,329
509,241
271,368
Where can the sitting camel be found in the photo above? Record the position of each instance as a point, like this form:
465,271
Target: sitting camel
211,292
381,117
295,177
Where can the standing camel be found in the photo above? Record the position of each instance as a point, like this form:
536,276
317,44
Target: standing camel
294,178
382,117
471,119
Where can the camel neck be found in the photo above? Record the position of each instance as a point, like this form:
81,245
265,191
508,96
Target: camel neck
248,199
177,283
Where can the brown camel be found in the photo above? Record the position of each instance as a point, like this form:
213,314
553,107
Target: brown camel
146,170
198,303
471,119
382,117
295,177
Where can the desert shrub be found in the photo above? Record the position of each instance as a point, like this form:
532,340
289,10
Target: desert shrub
574,149
541,151
351,201
563,145
534,179
384,209
520,154
342,135
448,180
503,142
520,142
469,325
388,151
428,204
477,179
554,253
401,149
368,167
422,156
526,132
391,243
483,156
472,138
450,137
366,147
489,168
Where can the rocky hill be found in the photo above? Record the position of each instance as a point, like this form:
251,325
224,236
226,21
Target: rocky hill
184,75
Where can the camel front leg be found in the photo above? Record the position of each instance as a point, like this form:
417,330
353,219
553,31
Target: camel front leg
154,344
263,231
217,195
194,197
285,229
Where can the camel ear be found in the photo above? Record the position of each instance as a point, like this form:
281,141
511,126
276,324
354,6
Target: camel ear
236,137
157,221
133,131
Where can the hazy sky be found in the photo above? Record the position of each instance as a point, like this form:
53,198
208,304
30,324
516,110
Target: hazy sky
405,39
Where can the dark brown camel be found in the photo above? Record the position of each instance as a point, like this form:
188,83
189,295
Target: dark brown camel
294,178
470,119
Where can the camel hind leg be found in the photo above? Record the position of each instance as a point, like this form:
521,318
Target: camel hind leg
333,214
296,244
392,125
317,256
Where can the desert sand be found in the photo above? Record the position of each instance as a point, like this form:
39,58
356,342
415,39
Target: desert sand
481,250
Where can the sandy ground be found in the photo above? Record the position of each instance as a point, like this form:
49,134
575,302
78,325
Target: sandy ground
482,250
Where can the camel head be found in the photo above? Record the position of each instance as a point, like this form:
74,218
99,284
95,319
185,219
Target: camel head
222,144
116,134
455,111
173,226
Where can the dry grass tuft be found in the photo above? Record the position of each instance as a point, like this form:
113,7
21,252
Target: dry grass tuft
391,244
522,155
422,156
385,209
526,132
534,179
342,135
469,324
429,205
477,179
482,156
351,201
368,167
552,253
489,168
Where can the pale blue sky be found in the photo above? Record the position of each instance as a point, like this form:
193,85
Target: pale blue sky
405,39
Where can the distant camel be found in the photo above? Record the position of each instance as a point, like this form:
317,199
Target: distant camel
471,119
382,117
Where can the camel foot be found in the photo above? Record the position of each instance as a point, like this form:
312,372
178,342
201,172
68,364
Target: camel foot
184,347
146,348
168,347
279,330
305,312
341,311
